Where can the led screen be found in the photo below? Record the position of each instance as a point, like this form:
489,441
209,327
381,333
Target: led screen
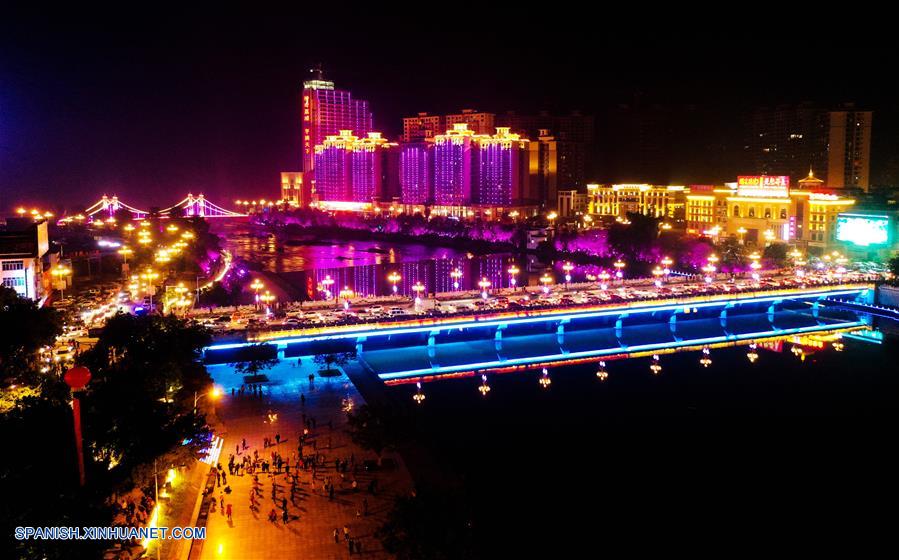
863,230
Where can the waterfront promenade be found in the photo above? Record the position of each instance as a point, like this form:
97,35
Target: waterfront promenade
312,515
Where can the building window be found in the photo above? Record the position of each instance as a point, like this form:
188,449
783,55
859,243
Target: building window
752,212
767,213
16,282
736,211
783,213
13,265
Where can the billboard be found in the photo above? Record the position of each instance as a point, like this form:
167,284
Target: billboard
764,186
863,229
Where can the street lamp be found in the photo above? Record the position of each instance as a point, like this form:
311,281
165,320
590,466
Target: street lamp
267,298
326,285
60,273
394,277
657,272
484,284
567,267
741,231
126,252
604,279
418,288
619,268
546,280
149,275
346,294
214,393
513,274
666,264
456,274
755,265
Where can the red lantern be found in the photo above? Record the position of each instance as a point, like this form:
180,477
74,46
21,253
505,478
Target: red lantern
77,377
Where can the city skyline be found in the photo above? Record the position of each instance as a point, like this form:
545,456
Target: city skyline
146,120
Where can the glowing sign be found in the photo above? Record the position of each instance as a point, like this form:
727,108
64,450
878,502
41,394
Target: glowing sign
763,186
863,230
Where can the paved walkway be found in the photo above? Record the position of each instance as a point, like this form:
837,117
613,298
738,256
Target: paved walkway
312,516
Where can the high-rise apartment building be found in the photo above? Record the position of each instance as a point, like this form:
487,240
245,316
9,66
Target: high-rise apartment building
422,127
574,139
478,122
453,166
849,149
788,140
416,173
326,111
353,170
502,168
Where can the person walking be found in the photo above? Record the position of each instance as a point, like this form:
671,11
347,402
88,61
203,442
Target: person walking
228,511
336,536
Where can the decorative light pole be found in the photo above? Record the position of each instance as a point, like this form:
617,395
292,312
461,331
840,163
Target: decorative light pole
604,279
484,388
706,359
456,274
755,265
619,268
657,274
601,373
741,231
126,252
419,396
326,285
267,298
655,367
513,276
346,294
418,288
666,266
77,379
546,280
394,277
567,267
484,284
256,285
60,273
545,381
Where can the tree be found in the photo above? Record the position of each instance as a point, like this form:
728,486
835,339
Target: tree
427,524
776,254
24,328
894,268
256,358
732,254
326,362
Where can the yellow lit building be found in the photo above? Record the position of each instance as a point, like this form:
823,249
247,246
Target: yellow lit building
658,201
292,187
760,210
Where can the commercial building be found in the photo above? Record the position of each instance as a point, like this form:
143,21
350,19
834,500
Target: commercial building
761,209
353,172
789,139
658,201
326,111
416,174
572,203
23,245
292,188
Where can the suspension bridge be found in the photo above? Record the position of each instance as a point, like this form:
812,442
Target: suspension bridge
189,206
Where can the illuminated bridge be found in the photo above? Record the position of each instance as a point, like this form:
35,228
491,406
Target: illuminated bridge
429,347
190,205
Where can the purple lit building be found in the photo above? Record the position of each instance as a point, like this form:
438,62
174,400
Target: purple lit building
502,169
353,171
416,173
453,166
327,111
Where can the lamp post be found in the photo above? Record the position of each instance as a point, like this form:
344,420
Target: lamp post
214,393
346,294
326,285
604,279
456,274
657,273
394,277
755,265
546,280
418,288
60,273
149,275
666,266
567,267
126,252
77,379
619,268
513,276
267,298
484,284
256,285
741,231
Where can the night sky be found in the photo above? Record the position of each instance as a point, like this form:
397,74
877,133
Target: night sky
154,109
